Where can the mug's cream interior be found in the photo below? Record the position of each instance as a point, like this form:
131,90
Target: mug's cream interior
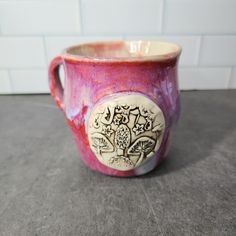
125,49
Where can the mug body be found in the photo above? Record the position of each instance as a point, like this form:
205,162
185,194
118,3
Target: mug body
121,101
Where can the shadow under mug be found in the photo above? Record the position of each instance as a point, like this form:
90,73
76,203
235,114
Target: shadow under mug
121,101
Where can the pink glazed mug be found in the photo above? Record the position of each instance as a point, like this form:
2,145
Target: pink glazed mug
121,101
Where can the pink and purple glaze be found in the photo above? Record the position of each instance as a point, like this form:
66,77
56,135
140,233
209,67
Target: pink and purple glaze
89,78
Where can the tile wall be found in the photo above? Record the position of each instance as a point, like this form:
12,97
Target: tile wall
32,32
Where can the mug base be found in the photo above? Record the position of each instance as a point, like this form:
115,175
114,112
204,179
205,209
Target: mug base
142,170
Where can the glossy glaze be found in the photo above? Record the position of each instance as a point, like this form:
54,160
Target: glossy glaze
90,79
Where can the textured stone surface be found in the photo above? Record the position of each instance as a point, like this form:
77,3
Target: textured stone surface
45,189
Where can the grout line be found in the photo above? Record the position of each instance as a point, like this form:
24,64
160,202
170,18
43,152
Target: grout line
230,77
199,53
25,0
82,37
45,50
162,15
205,67
10,80
154,34
27,35
197,33
20,35
80,17
23,68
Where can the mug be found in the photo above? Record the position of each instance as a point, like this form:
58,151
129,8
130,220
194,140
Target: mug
121,101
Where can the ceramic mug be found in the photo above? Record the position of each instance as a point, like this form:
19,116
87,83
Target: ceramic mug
121,101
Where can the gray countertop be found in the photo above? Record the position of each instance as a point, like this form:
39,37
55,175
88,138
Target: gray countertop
45,189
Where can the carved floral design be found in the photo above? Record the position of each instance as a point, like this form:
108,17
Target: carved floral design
107,130
124,134
138,129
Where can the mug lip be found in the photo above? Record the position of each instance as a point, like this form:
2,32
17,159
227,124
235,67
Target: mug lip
158,57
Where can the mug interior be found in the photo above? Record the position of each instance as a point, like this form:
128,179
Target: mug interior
125,50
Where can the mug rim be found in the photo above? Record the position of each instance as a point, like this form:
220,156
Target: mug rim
66,54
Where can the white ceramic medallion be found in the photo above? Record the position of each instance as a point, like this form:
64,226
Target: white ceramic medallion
124,131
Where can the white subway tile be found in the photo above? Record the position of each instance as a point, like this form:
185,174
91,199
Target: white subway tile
232,82
204,78
39,17
5,84
21,52
189,44
55,45
200,16
29,81
121,17
190,48
218,50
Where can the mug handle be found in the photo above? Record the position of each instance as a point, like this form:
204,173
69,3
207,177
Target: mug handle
55,85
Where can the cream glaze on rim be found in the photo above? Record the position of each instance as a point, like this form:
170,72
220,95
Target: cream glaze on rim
123,51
